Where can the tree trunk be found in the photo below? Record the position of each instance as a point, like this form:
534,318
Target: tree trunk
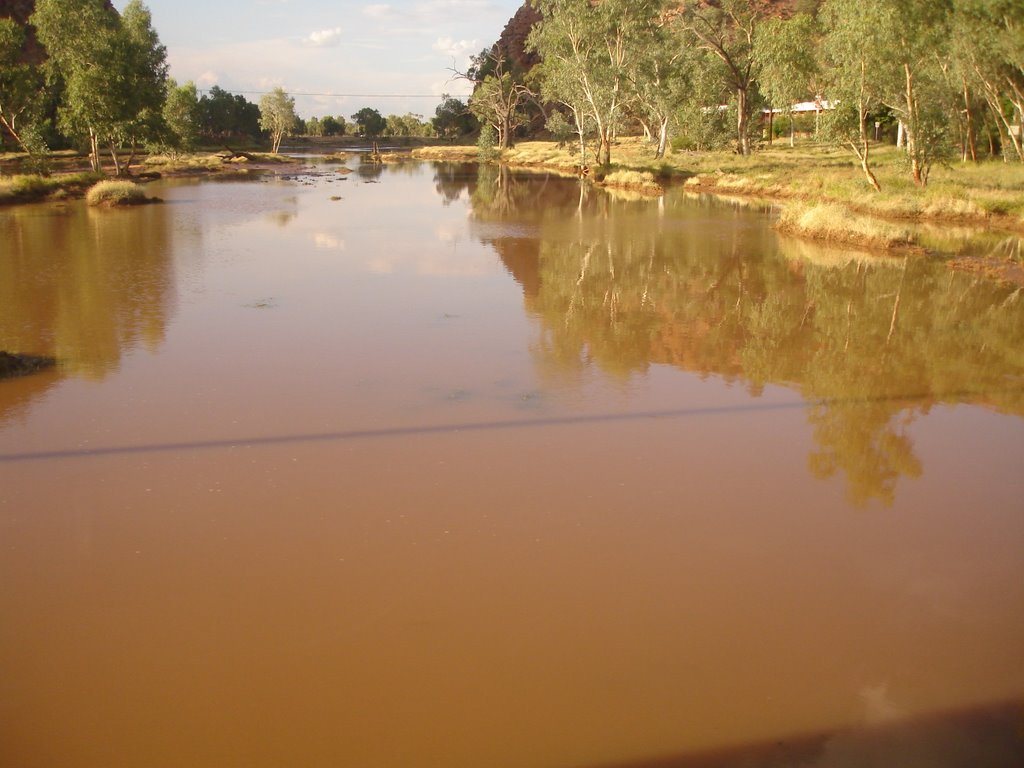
9,125
743,144
913,148
771,126
792,129
864,148
971,147
604,150
662,139
117,162
94,151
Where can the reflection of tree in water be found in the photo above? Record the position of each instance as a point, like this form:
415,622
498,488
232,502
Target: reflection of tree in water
452,179
707,288
868,442
83,285
282,218
369,170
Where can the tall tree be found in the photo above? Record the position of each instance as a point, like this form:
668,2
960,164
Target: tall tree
182,115
452,118
369,122
114,70
726,29
914,91
659,74
587,48
784,55
855,51
497,97
988,40
277,116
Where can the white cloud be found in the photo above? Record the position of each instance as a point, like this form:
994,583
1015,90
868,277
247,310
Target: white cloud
455,49
325,38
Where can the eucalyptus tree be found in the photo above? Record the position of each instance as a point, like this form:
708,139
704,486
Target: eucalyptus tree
727,29
659,73
587,49
784,54
181,115
856,47
561,87
913,80
113,69
277,116
988,40
498,96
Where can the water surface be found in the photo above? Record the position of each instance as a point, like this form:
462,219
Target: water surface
468,468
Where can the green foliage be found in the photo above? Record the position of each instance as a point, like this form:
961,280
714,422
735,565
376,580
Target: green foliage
113,69
587,51
182,115
408,125
369,122
225,116
726,30
784,56
333,126
486,144
559,128
20,94
452,118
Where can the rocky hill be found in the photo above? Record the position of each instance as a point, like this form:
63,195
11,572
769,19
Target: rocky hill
512,42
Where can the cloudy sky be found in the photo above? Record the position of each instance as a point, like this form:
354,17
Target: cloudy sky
329,47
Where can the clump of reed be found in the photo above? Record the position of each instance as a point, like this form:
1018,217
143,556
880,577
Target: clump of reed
835,223
640,181
116,193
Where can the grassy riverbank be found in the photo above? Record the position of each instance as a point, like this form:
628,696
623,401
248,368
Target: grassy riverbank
985,193
70,178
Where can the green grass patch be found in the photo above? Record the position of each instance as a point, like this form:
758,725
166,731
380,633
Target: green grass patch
30,188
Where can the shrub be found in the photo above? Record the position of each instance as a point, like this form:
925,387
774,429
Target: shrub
485,145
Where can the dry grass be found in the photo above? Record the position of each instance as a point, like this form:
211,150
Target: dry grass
115,193
640,181
183,163
835,223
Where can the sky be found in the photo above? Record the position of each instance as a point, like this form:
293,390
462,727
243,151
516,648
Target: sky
329,47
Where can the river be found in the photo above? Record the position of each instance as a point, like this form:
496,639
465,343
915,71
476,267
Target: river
451,466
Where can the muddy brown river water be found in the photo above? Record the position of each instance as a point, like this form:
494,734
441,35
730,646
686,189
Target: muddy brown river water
476,469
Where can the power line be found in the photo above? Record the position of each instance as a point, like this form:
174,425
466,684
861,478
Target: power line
355,95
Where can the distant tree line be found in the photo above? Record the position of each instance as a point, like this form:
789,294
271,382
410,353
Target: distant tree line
945,77
103,85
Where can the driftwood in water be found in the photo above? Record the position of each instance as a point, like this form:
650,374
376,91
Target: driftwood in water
21,365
